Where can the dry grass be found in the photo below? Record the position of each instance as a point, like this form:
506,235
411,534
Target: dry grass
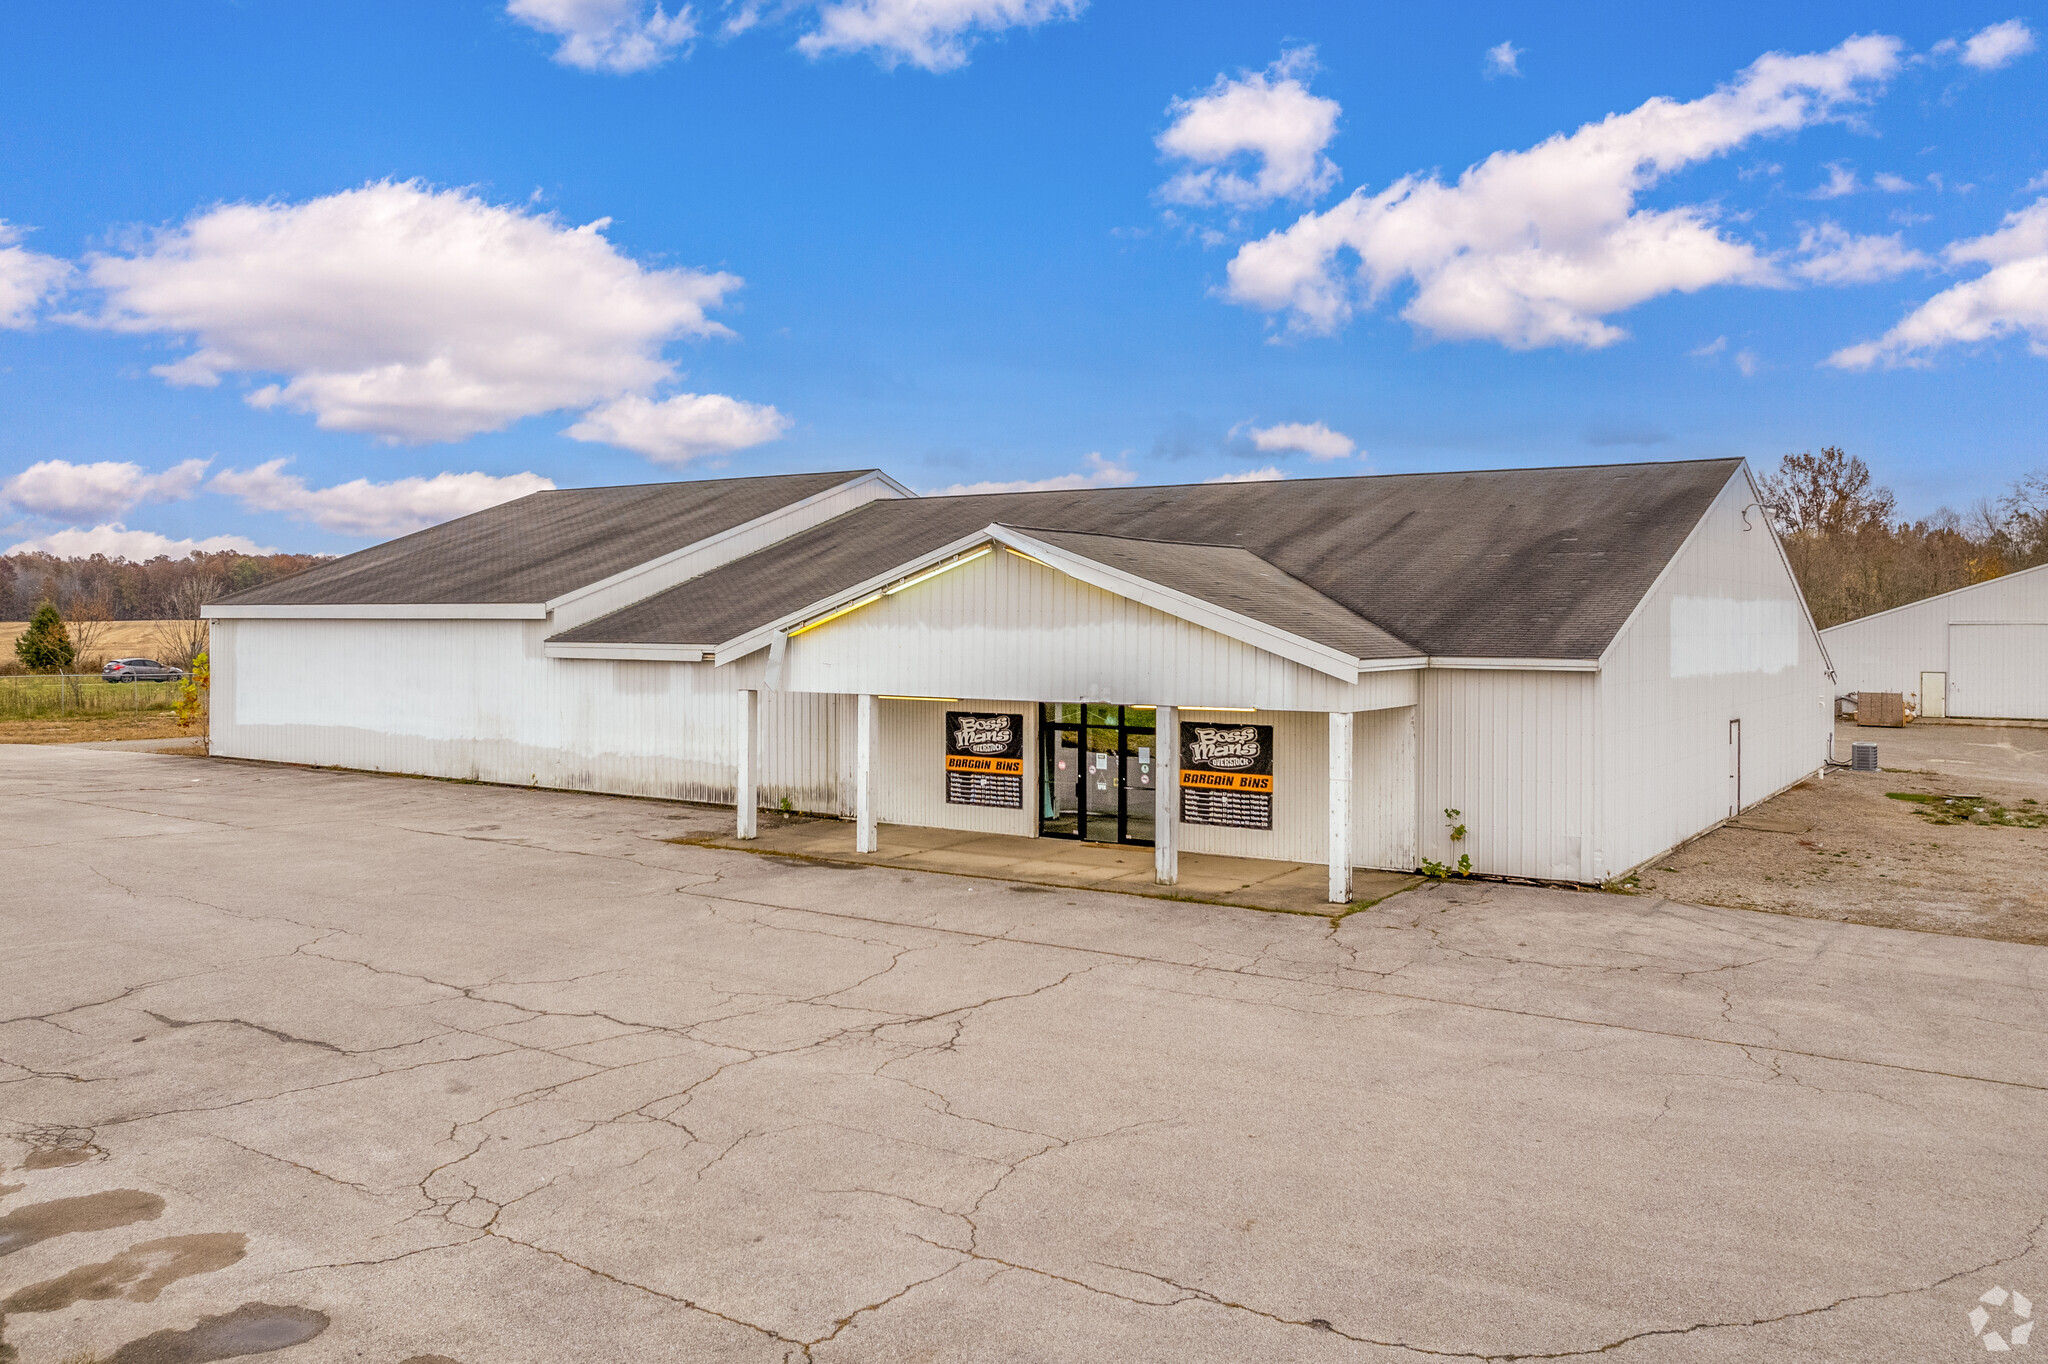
120,639
43,697
1877,849
87,729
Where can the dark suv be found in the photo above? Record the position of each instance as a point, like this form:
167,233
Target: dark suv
138,670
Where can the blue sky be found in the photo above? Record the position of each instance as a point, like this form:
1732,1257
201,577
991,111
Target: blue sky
1029,240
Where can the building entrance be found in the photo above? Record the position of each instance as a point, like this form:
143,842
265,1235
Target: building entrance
1099,770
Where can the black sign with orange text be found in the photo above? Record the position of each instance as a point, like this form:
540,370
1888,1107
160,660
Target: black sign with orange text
1226,775
985,759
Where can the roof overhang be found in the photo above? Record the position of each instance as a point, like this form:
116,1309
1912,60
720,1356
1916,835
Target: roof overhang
531,610
645,653
1539,665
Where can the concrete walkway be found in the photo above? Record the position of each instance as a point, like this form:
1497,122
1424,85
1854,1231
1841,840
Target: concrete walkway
1253,883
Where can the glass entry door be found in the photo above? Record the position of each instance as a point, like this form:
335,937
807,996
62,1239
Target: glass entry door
1099,770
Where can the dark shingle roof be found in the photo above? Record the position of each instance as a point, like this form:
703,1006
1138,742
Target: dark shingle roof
540,546
1236,580
1521,563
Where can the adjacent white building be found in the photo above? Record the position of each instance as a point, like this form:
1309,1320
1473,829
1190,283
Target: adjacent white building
1589,665
1979,652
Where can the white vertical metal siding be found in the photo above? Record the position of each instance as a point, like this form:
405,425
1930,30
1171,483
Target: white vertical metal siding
1383,789
477,700
1889,651
1998,671
1665,702
910,763
1512,751
1003,626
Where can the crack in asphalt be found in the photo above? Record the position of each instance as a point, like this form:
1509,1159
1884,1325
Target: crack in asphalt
894,1030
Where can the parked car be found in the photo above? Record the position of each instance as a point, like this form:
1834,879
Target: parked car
139,670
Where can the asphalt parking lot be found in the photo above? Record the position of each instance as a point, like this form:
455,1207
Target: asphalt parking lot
374,1069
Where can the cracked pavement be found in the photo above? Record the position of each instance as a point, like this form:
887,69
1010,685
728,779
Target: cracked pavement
502,1075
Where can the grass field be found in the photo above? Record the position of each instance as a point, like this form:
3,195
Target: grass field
122,638
40,697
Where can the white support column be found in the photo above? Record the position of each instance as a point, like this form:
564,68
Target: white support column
864,839
1340,807
747,796
1166,796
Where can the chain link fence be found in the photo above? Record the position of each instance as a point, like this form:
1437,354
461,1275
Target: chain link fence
55,696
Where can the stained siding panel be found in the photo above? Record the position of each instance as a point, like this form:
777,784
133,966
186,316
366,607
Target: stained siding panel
477,700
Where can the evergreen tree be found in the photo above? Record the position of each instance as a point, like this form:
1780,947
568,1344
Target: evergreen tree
45,647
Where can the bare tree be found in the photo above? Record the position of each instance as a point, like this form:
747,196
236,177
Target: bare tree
88,619
1827,494
181,637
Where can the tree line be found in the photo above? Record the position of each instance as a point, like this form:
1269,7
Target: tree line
118,589
1854,554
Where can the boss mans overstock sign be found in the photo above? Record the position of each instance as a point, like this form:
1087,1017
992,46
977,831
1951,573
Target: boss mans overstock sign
984,759
1226,775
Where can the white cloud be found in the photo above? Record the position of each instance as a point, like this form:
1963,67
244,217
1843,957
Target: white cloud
26,278
408,313
2038,182
1535,248
1102,473
1841,181
617,36
679,429
1999,45
63,491
1504,59
1713,347
933,34
118,542
1748,363
1313,439
1269,474
1893,184
1834,255
1268,117
379,510
2011,297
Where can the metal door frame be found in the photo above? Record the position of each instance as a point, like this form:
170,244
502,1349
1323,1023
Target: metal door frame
1049,726
1735,767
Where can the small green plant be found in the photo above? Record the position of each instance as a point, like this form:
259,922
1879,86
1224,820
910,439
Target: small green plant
786,806
1974,810
1440,871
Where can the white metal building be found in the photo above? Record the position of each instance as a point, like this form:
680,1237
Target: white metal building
1590,665
1979,652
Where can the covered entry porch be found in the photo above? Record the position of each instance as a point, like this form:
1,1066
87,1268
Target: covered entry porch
1163,788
